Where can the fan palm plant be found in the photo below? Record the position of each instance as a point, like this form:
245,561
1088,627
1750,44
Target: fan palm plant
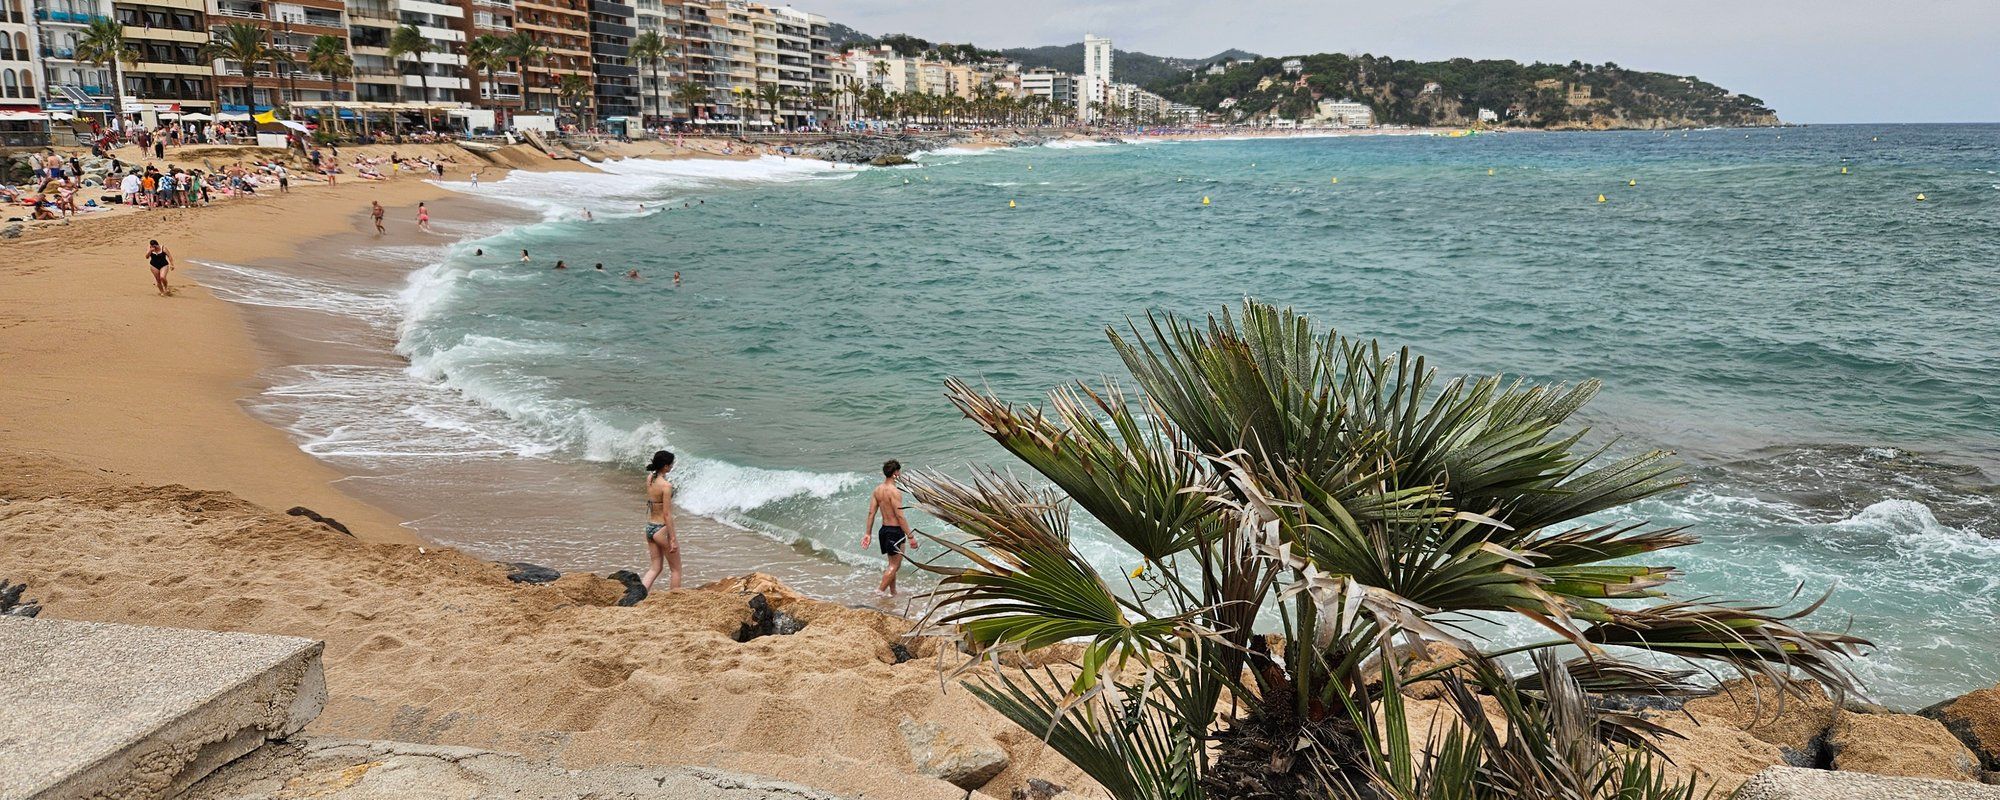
407,41
650,49
250,46
103,44
524,50
1295,505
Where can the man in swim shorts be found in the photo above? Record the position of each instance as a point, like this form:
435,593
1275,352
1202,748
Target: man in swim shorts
887,500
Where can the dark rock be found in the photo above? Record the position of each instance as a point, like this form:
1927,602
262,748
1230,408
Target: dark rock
1038,789
901,652
11,604
302,511
890,160
767,621
524,572
634,590
1639,702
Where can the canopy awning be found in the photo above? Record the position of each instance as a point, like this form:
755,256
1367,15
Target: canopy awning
233,117
196,117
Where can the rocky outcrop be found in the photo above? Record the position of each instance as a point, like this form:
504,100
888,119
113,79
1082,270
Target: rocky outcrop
1796,718
1714,755
1974,718
766,620
11,604
329,522
1903,745
524,572
955,760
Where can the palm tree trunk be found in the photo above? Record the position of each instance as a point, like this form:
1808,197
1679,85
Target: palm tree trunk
118,92
657,106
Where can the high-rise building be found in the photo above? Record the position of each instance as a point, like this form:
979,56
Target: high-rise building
437,77
792,64
499,88
563,27
1096,84
615,81
292,26
666,19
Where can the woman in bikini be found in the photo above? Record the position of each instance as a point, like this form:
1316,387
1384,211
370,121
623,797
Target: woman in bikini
661,543
160,262
423,218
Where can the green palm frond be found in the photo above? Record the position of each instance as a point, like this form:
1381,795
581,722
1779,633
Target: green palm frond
1128,473
1747,637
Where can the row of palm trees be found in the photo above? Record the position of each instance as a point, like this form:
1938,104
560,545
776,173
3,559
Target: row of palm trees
105,44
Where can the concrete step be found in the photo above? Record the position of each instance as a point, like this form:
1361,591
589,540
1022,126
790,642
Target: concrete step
335,769
91,709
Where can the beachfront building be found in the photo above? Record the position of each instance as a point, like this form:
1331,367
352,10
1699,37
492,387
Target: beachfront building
497,89
791,65
436,79
615,81
563,27
292,26
1095,88
882,67
1345,114
1055,87
663,18
167,71
69,85
20,62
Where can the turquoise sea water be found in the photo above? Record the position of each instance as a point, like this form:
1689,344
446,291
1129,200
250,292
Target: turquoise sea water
1821,347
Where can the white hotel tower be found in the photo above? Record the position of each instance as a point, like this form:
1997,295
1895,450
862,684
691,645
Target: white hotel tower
1096,85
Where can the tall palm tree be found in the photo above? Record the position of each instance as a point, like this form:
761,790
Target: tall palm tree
104,44
487,54
250,46
1297,510
406,40
690,94
524,50
327,55
575,89
650,49
772,96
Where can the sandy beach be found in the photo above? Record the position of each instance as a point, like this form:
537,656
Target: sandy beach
136,488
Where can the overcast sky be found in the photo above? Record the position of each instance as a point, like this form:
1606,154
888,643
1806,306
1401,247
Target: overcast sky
1811,60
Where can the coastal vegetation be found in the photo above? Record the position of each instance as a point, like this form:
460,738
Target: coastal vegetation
1320,540
1401,92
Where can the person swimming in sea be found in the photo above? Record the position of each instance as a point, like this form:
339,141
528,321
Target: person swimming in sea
663,547
561,264
524,257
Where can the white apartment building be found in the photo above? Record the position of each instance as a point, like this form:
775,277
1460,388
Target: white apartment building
657,81
20,60
69,84
1095,87
377,78
1345,113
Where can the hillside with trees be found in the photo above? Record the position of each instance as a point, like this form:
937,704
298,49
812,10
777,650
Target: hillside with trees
1451,93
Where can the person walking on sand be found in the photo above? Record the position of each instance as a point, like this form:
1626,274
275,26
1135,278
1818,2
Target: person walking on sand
887,500
663,546
423,218
160,262
375,210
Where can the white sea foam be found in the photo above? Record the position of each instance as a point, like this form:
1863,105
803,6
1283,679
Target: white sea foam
1072,144
255,287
